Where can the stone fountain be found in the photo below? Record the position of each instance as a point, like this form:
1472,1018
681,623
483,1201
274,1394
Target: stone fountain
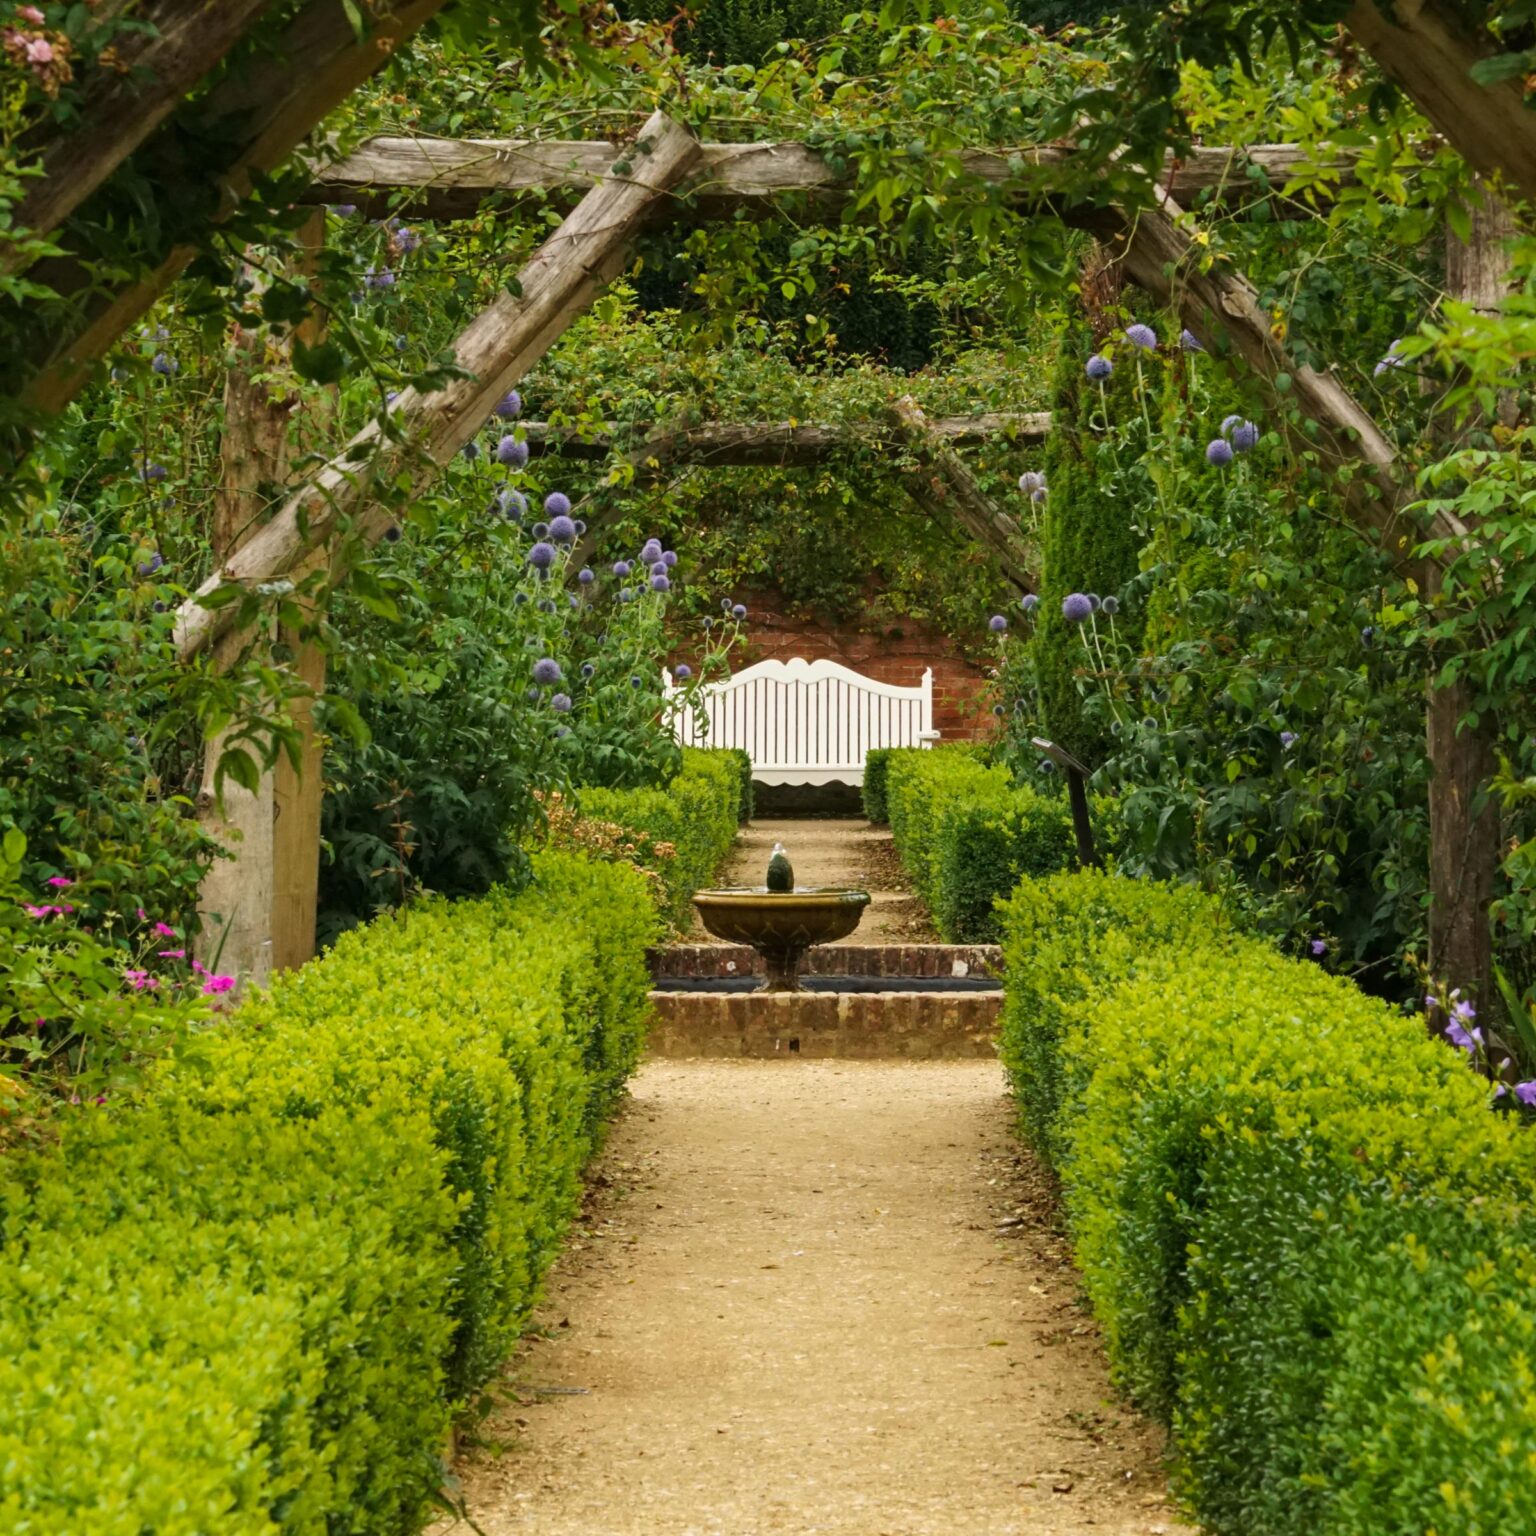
780,921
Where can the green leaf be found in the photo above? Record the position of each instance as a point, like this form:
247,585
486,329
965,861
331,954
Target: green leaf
324,363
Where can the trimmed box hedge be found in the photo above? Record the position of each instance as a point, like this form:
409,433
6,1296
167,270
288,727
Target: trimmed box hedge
1306,1233
967,834
252,1300
698,813
877,768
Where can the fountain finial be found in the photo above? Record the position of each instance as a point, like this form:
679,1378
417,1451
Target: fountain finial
781,873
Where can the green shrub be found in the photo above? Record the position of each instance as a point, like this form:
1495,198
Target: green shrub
1297,1218
270,1283
698,813
877,767
743,762
967,833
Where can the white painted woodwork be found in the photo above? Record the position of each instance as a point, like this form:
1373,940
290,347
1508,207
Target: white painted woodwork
807,722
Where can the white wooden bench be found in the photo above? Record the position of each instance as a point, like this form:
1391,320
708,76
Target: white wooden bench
808,722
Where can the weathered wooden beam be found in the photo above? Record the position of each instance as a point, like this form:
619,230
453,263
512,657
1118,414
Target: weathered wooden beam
653,450
359,490
1430,51
450,178
261,113
1158,253
120,106
948,484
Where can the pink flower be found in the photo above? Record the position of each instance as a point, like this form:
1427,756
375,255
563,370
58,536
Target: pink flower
165,931
39,911
30,13
173,954
141,981
217,984
40,51
200,968
143,915
60,882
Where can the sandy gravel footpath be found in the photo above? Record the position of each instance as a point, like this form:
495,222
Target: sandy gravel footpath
821,1298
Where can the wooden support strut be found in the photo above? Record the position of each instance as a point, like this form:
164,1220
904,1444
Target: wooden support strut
945,479
560,280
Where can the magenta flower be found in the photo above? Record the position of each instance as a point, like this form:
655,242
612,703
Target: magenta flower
216,984
172,954
141,981
164,931
60,882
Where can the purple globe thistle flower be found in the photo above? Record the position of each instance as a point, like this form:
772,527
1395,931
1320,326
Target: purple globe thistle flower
1031,481
1319,948
402,343
725,605
153,564
1111,606
541,556
997,624
581,526
511,452
1228,422
512,504
561,703
561,732
519,598
405,240
1076,607
1099,367
509,407
738,611
1288,739
1095,601
637,682
534,695
683,672
586,576
572,600
539,530
1244,436
164,364
659,568
1190,342
1218,452
557,504
999,711
379,279
392,534
626,595
588,671
562,530
622,568
669,558
151,472
471,450
1037,496
650,552
661,584
1029,602
1368,636
546,605
1142,336
546,672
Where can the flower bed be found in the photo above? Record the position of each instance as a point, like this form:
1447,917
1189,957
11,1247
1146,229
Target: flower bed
1304,1231
966,833
253,1300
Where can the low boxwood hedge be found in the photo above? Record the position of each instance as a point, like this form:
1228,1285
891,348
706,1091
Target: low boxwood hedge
698,813
877,768
966,834
1304,1230
252,1300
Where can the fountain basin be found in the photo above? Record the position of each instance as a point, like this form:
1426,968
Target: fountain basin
781,925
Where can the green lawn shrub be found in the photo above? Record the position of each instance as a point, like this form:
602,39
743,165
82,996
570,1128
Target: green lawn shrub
743,761
698,813
1304,1231
253,1300
877,767
967,834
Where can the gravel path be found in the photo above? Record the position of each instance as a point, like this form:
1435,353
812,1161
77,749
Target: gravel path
818,1299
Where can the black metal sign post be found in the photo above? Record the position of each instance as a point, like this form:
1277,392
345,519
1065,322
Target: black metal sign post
1077,794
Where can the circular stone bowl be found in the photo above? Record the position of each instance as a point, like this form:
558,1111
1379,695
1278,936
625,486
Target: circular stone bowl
781,925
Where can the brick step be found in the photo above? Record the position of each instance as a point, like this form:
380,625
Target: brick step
834,960
921,1026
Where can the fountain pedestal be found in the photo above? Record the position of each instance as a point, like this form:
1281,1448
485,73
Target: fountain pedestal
781,925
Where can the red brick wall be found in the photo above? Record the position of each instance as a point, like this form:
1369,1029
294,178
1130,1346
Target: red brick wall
891,653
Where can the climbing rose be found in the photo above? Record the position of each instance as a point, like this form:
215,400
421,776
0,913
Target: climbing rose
562,530
512,452
1190,342
1142,336
541,556
1099,366
684,672
586,576
546,671
1076,607
997,623
510,406
1218,452
661,584
557,504
561,703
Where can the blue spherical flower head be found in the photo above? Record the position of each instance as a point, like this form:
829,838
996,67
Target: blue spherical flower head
997,624
1142,336
546,671
344,210
661,584
534,695
510,406
402,343
1218,452
683,672
562,530
651,552
511,452
513,504
520,598
1094,601
150,473
164,364
546,605
1099,366
1190,342
998,710
153,564
1111,606
1076,607
1227,424
1029,602
541,556
626,595
668,558
725,605
562,731
1244,436
471,450
561,703
557,504
586,576
588,671
1368,636
539,530
379,279
392,534
622,568
581,526
1031,481
636,682
659,568
739,611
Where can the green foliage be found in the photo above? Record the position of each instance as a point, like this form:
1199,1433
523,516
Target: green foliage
272,1281
877,769
966,834
696,814
743,761
1297,1218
